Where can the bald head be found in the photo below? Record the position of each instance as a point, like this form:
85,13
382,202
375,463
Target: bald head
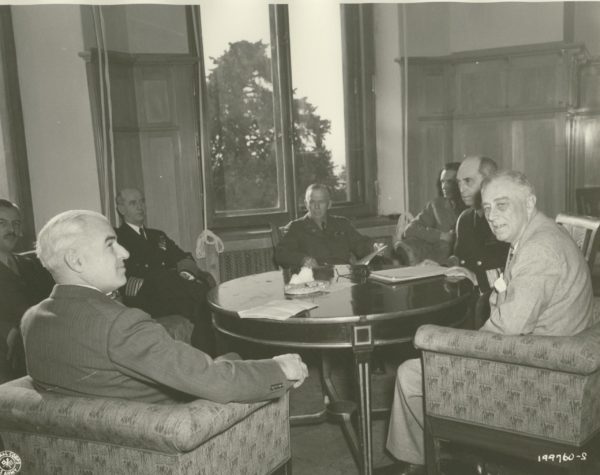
131,204
470,174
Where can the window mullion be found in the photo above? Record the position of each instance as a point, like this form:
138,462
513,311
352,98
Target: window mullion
284,99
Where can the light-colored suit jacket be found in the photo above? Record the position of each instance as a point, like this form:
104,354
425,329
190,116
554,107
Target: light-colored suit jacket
79,341
548,287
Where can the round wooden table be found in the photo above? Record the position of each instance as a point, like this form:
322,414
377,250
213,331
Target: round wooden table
359,316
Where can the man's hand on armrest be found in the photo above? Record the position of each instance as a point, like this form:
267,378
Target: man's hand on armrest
293,367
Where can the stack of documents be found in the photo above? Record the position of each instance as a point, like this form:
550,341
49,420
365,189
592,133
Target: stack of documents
278,309
406,274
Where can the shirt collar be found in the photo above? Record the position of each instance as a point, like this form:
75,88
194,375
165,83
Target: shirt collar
134,227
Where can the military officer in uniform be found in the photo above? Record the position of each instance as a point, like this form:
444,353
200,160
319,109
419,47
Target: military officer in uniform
319,238
162,279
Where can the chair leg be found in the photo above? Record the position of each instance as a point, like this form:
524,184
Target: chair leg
432,450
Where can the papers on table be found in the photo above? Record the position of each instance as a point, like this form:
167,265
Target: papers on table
405,274
278,309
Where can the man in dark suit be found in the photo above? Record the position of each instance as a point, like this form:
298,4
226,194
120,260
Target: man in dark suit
80,341
476,248
162,279
23,283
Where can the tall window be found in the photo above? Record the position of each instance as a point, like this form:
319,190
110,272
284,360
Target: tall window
279,85
269,98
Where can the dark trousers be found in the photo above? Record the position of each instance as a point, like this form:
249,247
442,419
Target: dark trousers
165,293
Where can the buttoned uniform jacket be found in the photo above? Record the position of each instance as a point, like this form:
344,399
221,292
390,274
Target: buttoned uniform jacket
163,292
333,245
155,260
156,252
546,287
423,233
478,249
81,342
18,292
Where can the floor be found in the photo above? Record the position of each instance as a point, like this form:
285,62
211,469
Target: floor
322,450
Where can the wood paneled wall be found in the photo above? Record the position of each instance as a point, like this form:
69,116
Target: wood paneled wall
155,139
515,105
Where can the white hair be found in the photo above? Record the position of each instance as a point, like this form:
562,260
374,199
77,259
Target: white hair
61,233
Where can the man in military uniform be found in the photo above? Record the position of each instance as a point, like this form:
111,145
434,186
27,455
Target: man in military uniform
476,248
162,279
319,238
23,283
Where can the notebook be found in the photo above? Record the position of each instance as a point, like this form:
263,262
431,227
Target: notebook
406,274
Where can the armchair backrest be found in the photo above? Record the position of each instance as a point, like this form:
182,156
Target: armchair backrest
584,230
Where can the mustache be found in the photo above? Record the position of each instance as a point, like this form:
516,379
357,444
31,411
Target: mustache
10,234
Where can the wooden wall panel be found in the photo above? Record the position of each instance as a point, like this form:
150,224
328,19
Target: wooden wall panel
432,95
128,166
156,96
488,137
590,86
511,104
123,100
538,151
170,161
160,166
435,149
537,82
587,151
481,86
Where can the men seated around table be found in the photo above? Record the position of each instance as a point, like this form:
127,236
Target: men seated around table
319,238
162,279
430,235
544,290
79,341
23,283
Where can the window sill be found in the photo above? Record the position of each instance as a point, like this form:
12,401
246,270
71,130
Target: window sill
252,233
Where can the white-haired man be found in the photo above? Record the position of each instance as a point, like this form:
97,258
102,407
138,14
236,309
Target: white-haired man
80,341
545,290
155,268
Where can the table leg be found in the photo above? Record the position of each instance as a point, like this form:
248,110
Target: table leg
363,349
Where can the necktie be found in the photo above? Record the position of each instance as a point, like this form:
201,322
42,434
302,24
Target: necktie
143,233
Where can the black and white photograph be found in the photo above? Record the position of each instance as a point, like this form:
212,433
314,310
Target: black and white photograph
309,237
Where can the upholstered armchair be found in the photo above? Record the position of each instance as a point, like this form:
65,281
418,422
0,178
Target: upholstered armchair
527,396
60,434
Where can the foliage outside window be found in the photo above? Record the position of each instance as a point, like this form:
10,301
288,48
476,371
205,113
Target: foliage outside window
267,141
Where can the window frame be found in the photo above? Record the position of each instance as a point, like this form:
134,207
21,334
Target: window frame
359,113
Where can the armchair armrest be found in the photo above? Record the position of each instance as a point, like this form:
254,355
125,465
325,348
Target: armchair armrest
579,354
171,428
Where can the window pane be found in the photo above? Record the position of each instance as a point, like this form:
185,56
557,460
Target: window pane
245,171
317,77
